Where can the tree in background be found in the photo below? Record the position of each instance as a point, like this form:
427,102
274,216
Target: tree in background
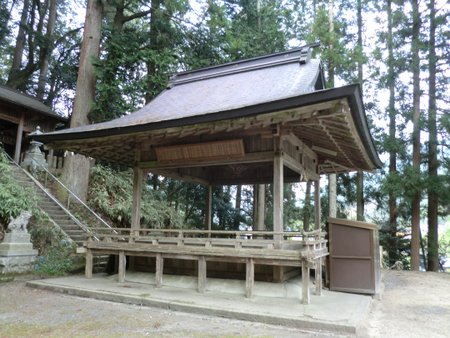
77,167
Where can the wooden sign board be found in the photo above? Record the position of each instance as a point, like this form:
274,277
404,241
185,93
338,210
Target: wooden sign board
201,151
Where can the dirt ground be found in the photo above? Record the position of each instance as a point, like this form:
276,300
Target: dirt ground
413,305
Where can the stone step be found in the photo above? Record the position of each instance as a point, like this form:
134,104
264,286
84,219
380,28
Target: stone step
54,210
59,216
79,239
73,228
75,233
67,225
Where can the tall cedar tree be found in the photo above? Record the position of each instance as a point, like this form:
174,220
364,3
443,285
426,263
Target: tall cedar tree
76,167
433,197
415,204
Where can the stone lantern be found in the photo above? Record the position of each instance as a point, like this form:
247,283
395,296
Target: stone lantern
34,159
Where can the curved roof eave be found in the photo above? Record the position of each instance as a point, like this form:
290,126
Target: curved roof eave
351,92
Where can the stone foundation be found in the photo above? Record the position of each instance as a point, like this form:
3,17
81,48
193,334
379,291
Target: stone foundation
16,253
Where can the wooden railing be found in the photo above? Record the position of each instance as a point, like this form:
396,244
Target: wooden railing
296,249
212,238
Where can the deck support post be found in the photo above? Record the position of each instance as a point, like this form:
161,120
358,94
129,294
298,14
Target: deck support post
89,264
278,183
201,274
305,282
18,147
122,267
249,277
159,270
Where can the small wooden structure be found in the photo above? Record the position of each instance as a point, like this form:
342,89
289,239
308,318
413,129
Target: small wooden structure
354,256
20,115
257,121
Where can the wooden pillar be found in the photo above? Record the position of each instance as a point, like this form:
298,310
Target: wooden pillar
317,219
89,264
317,209
208,211
318,276
202,274
122,267
260,207
18,148
136,206
305,283
249,278
159,270
278,191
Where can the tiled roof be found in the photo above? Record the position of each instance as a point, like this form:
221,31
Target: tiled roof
223,88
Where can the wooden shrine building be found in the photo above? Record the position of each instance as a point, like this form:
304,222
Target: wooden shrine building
21,114
256,121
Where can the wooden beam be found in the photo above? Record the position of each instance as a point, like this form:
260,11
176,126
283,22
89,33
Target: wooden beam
324,151
179,176
122,267
257,157
159,270
249,277
10,118
201,274
303,148
18,148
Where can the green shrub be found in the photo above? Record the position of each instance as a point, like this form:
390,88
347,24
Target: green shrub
59,259
56,253
13,198
111,194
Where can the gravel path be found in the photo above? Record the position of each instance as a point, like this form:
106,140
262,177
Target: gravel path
413,305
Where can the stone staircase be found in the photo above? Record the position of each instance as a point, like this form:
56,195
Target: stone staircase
58,214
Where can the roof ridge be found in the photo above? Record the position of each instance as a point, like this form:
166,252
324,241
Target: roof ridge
301,54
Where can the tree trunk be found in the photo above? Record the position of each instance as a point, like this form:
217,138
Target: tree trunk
4,27
76,170
153,36
20,46
332,207
307,207
393,213
46,51
359,174
237,208
261,207
433,198
415,205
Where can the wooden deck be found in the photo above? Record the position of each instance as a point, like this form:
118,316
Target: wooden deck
297,249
